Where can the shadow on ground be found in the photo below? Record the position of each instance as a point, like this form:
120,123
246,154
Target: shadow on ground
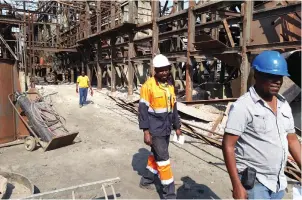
192,190
139,161
89,102
189,188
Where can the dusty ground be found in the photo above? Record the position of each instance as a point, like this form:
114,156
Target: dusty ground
110,145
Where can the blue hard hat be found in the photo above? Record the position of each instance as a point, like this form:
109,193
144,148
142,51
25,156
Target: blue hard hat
271,62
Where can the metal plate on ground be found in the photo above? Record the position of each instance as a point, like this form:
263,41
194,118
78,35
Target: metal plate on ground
61,141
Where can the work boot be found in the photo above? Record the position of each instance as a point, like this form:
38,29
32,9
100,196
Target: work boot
146,186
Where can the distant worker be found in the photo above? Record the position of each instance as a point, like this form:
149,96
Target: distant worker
157,116
259,133
83,83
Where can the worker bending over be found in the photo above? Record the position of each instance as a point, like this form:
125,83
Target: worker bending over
83,83
157,116
259,133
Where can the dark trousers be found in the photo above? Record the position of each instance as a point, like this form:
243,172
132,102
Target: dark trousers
83,95
159,164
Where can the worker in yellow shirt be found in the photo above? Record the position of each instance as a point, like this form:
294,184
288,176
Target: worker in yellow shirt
83,83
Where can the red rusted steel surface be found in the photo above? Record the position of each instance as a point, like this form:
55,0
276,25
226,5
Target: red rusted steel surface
7,121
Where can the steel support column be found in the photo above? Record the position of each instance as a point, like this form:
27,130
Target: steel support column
112,25
113,70
99,72
246,35
131,54
99,17
131,50
190,47
155,31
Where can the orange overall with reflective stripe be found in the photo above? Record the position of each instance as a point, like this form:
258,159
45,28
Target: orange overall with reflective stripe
158,114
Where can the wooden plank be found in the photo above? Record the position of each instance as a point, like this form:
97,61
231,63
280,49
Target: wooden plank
226,114
217,122
187,122
196,113
228,31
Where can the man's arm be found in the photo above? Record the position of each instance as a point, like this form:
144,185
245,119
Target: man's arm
293,143
228,146
143,116
176,120
89,85
77,85
294,147
235,127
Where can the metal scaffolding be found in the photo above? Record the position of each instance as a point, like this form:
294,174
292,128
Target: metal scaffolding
113,40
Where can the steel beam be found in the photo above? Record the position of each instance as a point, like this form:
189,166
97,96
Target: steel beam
112,17
190,47
131,54
214,5
99,71
113,70
265,13
274,46
8,47
246,37
52,49
204,7
228,32
155,32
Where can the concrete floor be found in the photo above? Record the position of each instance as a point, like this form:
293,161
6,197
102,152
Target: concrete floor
111,145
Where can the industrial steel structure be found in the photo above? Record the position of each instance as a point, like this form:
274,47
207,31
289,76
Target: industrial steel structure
210,43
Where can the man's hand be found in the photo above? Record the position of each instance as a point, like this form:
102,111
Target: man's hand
239,192
91,92
77,90
147,138
178,132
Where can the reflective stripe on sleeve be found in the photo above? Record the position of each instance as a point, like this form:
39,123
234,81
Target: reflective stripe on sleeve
145,102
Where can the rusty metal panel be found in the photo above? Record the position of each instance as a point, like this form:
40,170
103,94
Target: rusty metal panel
210,44
276,29
7,121
21,129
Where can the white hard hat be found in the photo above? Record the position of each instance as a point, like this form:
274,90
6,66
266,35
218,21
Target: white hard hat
160,61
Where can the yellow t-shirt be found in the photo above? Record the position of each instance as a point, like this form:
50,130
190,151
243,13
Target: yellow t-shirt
83,81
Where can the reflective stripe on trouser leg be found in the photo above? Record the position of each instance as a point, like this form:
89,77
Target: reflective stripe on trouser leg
165,172
152,166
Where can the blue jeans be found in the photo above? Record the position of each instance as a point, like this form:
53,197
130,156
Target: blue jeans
259,191
83,95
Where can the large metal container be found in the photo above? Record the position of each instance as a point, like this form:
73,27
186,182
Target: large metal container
7,120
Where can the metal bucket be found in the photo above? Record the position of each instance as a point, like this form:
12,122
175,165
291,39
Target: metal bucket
18,186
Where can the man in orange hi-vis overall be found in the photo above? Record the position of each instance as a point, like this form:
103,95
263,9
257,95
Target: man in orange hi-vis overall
157,116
